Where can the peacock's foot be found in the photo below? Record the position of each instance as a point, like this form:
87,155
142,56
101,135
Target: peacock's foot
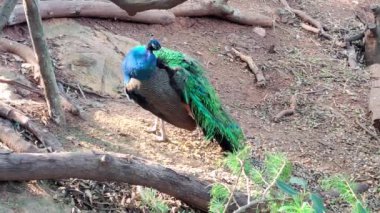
161,138
152,129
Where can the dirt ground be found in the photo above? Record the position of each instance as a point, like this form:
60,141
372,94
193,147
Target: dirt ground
322,137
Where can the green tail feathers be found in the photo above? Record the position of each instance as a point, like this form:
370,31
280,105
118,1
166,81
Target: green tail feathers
205,104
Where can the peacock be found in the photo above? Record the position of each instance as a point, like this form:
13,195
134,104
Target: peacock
173,87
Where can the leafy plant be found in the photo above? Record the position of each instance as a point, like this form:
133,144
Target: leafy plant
150,199
346,189
271,183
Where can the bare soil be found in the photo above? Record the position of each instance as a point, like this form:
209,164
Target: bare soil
322,137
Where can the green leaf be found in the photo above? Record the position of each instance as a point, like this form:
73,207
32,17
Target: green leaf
359,208
286,188
298,181
317,203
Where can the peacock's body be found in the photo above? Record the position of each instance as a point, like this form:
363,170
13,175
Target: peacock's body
173,87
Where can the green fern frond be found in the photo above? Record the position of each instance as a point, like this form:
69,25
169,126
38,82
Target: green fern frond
234,161
346,189
219,197
273,163
150,199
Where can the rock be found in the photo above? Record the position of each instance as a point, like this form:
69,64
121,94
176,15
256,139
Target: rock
88,56
259,31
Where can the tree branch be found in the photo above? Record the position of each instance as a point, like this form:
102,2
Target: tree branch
43,56
18,84
91,9
106,167
5,12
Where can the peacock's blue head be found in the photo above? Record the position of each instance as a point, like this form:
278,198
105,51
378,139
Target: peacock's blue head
153,45
140,62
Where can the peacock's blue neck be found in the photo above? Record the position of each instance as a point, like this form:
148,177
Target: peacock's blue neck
139,63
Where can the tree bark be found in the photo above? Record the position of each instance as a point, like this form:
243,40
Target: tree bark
107,167
374,95
91,9
372,39
42,134
46,67
5,12
13,140
134,6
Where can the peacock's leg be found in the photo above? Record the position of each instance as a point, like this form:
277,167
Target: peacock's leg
162,137
154,128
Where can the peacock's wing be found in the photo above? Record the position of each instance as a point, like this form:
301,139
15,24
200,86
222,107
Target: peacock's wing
187,78
157,96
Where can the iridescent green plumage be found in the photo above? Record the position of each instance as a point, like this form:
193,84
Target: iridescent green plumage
199,94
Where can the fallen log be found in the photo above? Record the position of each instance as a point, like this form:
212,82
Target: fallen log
135,6
42,134
107,167
13,140
91,9
220,9
374,95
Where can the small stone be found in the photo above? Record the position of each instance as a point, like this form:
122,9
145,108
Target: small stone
259,31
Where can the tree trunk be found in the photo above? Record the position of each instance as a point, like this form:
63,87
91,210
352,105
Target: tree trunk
107,167
372,39
92,9
5,12
46,67
374,95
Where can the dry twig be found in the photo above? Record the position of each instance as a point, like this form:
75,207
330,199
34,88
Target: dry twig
287,112
372,134
252,66
23,86
308,19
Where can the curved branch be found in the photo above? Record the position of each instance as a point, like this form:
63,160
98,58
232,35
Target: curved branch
43,135
21,50
91,9
14,140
